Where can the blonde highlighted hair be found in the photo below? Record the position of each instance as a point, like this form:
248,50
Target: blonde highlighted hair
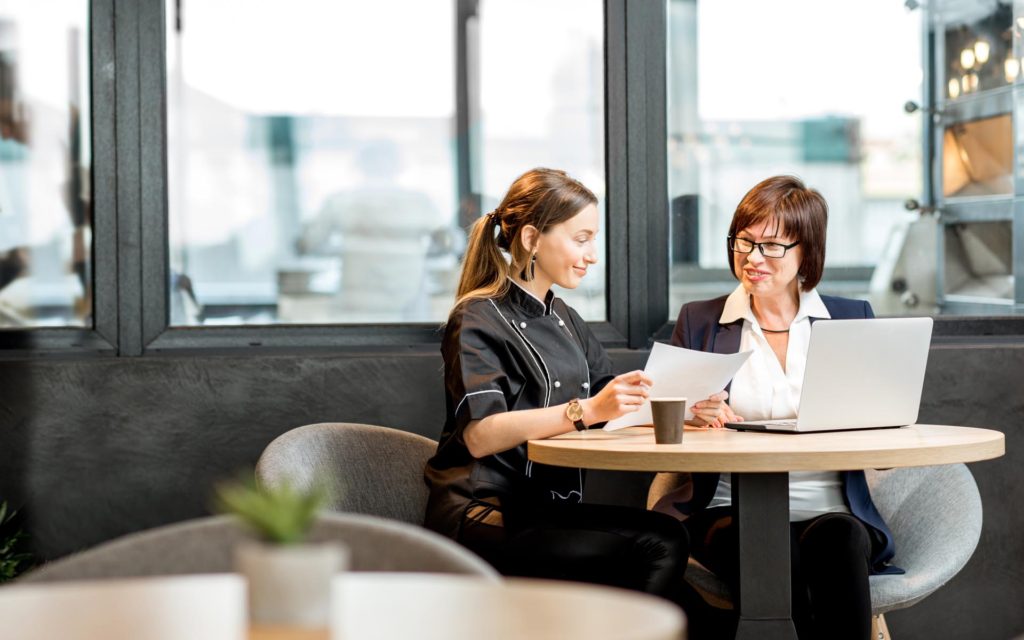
541,198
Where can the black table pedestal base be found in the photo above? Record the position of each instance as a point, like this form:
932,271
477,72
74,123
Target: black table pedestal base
761,501
759,629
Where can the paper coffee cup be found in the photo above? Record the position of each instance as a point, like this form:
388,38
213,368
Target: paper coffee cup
669,415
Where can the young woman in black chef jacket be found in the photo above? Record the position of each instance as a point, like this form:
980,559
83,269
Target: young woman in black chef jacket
520,365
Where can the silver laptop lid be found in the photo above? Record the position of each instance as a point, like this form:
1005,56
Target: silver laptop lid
864,373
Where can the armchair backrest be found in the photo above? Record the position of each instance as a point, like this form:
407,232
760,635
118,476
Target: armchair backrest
368,469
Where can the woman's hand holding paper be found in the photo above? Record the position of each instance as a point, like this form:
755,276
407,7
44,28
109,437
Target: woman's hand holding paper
713,412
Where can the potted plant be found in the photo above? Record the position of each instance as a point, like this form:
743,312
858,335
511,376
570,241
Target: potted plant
289,578
14,556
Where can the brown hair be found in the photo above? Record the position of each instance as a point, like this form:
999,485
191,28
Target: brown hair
798,211
540,197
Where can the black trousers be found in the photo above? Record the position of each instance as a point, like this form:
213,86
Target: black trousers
601,544
830,563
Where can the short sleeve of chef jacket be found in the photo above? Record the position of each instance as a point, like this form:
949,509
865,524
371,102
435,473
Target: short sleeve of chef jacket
481,375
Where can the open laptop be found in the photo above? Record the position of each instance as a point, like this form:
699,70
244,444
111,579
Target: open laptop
860,374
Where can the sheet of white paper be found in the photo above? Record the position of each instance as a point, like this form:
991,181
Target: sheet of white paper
676,372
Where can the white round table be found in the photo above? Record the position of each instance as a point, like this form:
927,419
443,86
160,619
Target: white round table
365,606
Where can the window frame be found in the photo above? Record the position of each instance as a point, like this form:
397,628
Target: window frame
130,220
102,338
947,329
635,172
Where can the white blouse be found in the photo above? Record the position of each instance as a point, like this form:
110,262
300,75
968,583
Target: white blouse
761,390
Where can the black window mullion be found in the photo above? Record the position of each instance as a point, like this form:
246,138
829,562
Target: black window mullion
128,192
466,110
104,170
652,32
647,198
928,67
153,152
618,294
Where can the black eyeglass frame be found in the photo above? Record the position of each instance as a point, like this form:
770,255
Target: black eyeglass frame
760,246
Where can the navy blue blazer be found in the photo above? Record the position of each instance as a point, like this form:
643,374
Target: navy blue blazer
698,328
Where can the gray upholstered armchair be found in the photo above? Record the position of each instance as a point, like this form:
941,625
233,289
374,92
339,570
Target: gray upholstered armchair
368,469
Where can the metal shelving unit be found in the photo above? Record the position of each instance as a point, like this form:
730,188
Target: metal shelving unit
978,137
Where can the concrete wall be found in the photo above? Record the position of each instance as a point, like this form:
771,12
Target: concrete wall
97,448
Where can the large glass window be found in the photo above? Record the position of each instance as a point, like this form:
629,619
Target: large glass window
314,161
45,163
311,161
542,104
764,88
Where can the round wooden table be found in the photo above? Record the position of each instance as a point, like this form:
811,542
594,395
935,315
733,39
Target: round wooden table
364,606
760,464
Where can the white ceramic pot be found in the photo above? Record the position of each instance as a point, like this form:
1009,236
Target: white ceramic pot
290,585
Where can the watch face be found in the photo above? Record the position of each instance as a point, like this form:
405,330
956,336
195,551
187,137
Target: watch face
574,411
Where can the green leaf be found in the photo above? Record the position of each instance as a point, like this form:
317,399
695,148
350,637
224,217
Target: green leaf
281,514
14,560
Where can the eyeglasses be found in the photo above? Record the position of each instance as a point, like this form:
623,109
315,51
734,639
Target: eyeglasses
767,249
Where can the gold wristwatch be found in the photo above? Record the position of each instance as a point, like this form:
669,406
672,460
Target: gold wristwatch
574,411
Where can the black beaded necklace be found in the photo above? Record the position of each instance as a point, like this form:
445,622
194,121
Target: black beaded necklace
769,330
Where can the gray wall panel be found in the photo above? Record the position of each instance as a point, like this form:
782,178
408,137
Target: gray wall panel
102,447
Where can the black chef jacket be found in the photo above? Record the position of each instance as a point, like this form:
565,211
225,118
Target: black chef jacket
508,354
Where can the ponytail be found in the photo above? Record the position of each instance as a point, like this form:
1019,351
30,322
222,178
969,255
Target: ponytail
485,270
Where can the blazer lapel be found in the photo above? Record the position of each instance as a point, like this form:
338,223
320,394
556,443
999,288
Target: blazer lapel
727,338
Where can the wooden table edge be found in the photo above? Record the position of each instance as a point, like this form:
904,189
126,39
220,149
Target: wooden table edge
556,453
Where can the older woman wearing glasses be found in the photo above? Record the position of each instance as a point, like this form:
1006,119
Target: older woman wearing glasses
777,252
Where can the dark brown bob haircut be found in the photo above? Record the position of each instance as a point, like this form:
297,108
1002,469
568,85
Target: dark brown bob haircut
796,211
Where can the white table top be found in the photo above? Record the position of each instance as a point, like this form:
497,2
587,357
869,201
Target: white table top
201,607
445,607
634,449
364,606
